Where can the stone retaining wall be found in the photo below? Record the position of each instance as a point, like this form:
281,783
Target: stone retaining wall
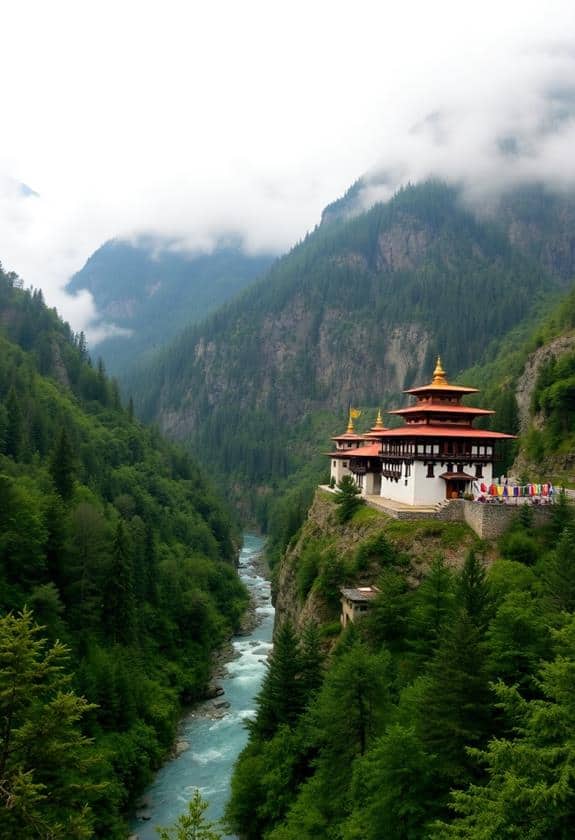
489,521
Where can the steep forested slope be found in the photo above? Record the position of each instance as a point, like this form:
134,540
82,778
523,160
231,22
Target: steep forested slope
354,313
445,712
530,377
117,544
153,291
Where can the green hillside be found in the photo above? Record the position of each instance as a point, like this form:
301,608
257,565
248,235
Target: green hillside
119,547
152,291
444,712
355,313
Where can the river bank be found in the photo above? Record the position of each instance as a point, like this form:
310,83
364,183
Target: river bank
212,734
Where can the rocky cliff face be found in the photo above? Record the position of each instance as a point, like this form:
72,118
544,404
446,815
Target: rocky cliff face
526,382
328,542
559,466
354,314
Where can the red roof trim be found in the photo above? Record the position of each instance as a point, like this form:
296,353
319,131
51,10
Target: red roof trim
437,389
442,431
438,408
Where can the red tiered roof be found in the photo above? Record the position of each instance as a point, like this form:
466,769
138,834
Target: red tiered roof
442,408
434,401
372,450
424,430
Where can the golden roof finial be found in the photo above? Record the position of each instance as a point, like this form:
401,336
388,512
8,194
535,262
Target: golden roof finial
350,422
378,420
439,373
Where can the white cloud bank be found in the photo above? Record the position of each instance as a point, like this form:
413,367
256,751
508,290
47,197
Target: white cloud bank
191,120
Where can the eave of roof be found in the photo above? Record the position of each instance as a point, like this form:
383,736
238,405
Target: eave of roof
441,408
450,476
436,389
428,430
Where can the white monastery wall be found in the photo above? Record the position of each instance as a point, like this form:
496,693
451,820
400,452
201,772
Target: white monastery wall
338,470
418,489
401,490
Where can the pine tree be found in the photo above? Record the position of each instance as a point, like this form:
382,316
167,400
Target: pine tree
433,607
529,788
119,604
391,792
387,621
348,498
558,572
46,765
562,514
348,715
456,704
192,825
518,638
14,434
62,466
281,698
311,661
525,517
473,592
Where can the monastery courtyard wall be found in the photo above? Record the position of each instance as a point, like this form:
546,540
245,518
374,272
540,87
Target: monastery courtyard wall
489,521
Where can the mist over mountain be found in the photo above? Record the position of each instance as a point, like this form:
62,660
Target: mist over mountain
356,313
148,292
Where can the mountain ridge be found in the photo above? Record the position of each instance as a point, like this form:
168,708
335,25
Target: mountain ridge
354,313
148,291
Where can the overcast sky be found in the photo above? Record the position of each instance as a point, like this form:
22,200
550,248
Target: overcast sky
191,120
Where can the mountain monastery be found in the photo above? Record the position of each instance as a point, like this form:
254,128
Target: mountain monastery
437,454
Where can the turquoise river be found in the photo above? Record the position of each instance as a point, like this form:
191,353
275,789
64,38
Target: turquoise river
214,744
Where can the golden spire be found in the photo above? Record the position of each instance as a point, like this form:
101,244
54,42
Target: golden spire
439,374
350,422
378,420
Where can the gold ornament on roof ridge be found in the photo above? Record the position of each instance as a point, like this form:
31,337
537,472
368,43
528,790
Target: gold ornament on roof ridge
378,420
439,374
350,422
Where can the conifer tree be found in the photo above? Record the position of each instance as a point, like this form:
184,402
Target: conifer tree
311,661
349,713
281,698
62,465
473,592
192,825
529,788
558,572
562,514
391,789
348,498
387,621
456,703
434,604
46,765
518,638
14,434
119,604
525,517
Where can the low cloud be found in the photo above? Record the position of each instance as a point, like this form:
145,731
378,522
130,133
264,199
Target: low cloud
196,130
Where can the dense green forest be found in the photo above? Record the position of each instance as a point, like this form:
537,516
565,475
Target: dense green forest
446,712
354,313
152,290
117,580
